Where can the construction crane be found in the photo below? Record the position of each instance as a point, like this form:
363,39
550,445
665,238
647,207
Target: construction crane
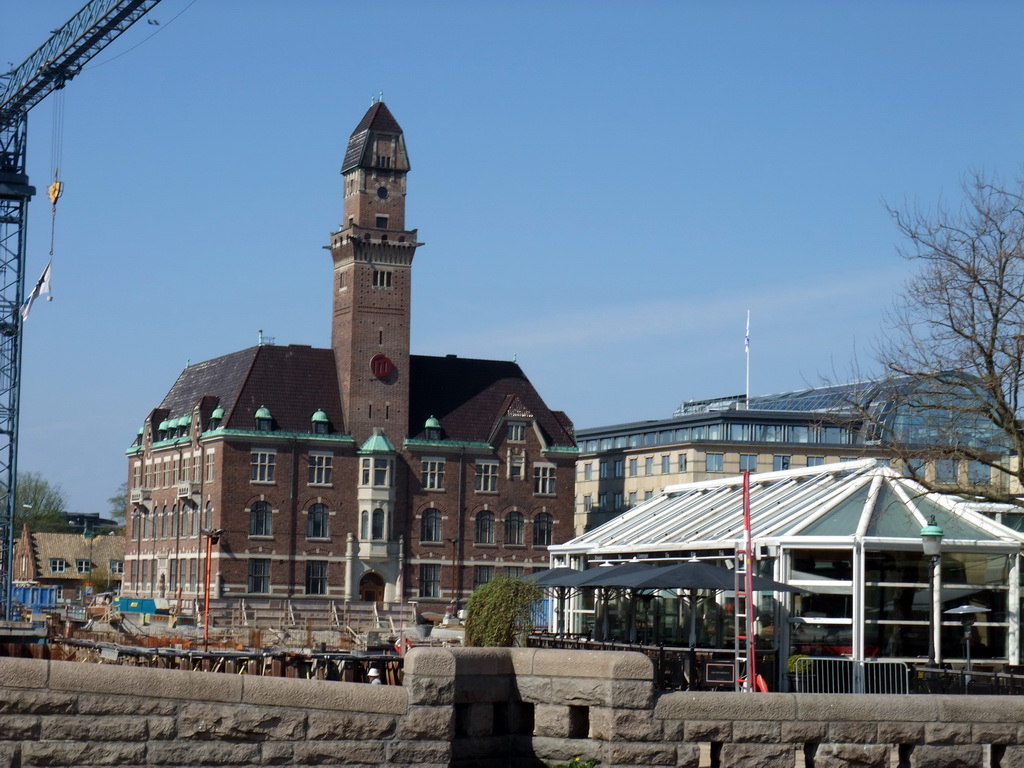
53,64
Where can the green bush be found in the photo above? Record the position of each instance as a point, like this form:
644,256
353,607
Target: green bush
500,611
578,762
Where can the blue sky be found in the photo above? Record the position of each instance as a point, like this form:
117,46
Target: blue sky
604,190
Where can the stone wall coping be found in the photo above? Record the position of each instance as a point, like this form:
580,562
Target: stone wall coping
68,676
535,662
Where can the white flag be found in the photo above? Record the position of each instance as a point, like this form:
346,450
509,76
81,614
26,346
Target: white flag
746,338
42,286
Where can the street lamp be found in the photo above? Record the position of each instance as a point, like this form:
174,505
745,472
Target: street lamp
931,543
455,596
212,537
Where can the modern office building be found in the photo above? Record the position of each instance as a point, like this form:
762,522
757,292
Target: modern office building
622,465
361,472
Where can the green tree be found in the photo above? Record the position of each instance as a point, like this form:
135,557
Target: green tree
500,611
119,503
39,503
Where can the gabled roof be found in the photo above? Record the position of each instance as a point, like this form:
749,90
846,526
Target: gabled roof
835,503
70,547
469,396
293,382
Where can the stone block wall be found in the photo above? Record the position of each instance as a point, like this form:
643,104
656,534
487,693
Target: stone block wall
463,708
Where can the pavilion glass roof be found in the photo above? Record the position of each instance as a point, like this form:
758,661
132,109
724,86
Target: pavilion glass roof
858,500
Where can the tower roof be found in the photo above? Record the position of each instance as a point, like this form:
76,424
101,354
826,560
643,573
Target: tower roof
360,151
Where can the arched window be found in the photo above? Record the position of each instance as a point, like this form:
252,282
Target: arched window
514,528
431,530
378,524
542,528
365,529
485,528
260,519
316,523
209,517
174,522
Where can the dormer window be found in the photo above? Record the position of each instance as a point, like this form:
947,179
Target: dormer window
216,418
319,423
516,432
264,421
432,429
161,432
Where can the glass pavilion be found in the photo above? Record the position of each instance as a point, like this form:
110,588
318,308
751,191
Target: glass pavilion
850,535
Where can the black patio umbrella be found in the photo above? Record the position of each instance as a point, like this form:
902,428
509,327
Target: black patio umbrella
694,574
552,577
602,576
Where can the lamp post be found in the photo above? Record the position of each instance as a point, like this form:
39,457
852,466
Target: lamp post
212,537
931,543
455,595
88,534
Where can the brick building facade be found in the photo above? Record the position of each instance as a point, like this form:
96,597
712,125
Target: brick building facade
360,472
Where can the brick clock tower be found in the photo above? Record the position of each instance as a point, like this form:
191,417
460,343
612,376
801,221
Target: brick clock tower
372,255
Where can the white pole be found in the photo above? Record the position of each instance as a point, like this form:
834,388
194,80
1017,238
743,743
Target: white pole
746,348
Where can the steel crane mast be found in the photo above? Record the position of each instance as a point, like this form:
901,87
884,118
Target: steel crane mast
50,67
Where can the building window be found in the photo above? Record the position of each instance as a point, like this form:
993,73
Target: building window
681,466
433,474
382,222
83,566
542,529
316,522
482,574
514,528
603,470
58,565
316,577
602,501
946,470
262,466
260,516
259,575
780,463
517,467
632,467
430,527
713,462
588,502
514,571
377,534
619,468
321,466
588,471
649,466
648,495
815,461
516,432
632,499
487,476
978,473
376,473
430,580
617,500
382,278
116,567
748,462
544,479
209,466
666,465
485,528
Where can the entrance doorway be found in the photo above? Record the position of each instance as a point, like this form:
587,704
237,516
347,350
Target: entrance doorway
371,588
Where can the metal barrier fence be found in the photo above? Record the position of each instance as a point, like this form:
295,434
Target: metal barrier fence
814,674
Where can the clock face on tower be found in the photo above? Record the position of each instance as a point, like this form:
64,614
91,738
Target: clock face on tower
382,193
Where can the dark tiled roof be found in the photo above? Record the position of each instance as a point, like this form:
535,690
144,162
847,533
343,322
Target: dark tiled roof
377,118
469,396
292,382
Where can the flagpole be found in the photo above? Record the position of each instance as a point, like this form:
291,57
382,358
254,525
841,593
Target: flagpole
746,347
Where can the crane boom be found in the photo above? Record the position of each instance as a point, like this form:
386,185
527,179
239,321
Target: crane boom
50,67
